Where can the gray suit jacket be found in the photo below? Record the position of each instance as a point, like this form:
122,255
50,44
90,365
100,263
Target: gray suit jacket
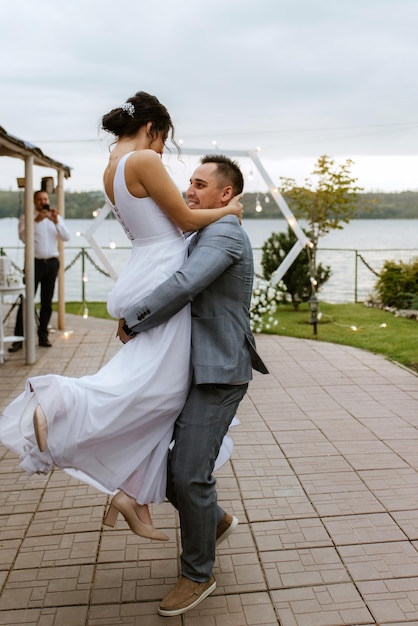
217,279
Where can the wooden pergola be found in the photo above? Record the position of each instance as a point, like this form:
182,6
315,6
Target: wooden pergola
11,146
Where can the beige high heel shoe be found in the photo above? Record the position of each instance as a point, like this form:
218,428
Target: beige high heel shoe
40,426
33,422
122,503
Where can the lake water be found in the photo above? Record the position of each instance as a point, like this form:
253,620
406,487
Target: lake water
376,240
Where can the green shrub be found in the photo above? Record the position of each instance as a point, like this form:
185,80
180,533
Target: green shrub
397,285
296,283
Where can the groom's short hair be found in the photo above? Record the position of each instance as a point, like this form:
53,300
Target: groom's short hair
228,171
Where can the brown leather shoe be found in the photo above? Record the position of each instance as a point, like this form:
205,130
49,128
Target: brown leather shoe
185,596
226,526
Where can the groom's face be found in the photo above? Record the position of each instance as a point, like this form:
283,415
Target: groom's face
206,191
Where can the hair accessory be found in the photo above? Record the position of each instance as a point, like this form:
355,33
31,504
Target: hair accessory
129,108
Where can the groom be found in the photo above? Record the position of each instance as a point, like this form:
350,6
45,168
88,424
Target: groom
217,279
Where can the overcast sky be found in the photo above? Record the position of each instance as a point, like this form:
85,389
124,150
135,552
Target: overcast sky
297,78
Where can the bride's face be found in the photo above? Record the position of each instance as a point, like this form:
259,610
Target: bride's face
158,143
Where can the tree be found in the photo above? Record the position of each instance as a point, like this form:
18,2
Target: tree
325,202
297,280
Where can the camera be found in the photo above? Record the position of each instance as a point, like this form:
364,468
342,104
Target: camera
45,207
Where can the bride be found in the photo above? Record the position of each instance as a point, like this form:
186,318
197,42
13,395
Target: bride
113,429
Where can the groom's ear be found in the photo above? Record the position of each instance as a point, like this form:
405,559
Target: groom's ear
227,194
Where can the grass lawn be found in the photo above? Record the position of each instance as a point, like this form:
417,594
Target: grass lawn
354,325
348,324
95,309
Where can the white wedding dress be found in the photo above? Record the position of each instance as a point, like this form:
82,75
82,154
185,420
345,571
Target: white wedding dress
113,429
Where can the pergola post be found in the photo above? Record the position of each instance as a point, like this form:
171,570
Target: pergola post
11,146
29,325
61,271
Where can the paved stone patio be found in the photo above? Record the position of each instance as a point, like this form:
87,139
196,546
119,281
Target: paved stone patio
323,480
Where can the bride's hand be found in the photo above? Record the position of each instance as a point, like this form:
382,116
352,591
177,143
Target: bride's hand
236,207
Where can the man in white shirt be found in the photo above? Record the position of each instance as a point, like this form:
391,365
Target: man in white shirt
49,229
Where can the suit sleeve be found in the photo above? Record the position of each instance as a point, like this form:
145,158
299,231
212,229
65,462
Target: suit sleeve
219,246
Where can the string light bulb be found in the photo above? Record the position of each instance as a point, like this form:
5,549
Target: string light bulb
258,206
85,313
85,277
112,245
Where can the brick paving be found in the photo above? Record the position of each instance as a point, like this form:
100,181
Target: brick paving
323,478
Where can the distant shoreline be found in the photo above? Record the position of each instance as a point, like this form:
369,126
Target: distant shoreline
378,205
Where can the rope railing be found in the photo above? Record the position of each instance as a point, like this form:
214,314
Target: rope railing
363,260
74,261
344,263
12,263
95,265
82,252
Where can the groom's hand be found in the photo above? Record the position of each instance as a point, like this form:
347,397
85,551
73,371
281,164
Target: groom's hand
121,333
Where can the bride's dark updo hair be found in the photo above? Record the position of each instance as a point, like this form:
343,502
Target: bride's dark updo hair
137,111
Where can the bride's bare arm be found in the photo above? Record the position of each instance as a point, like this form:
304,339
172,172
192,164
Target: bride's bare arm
161,188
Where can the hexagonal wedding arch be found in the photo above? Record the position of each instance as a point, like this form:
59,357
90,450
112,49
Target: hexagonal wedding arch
301,242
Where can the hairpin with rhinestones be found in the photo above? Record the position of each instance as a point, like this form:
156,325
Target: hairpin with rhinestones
129,108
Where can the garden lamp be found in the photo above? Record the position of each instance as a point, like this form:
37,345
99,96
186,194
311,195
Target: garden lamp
314,306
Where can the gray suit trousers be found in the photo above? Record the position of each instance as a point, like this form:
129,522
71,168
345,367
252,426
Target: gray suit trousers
191,487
